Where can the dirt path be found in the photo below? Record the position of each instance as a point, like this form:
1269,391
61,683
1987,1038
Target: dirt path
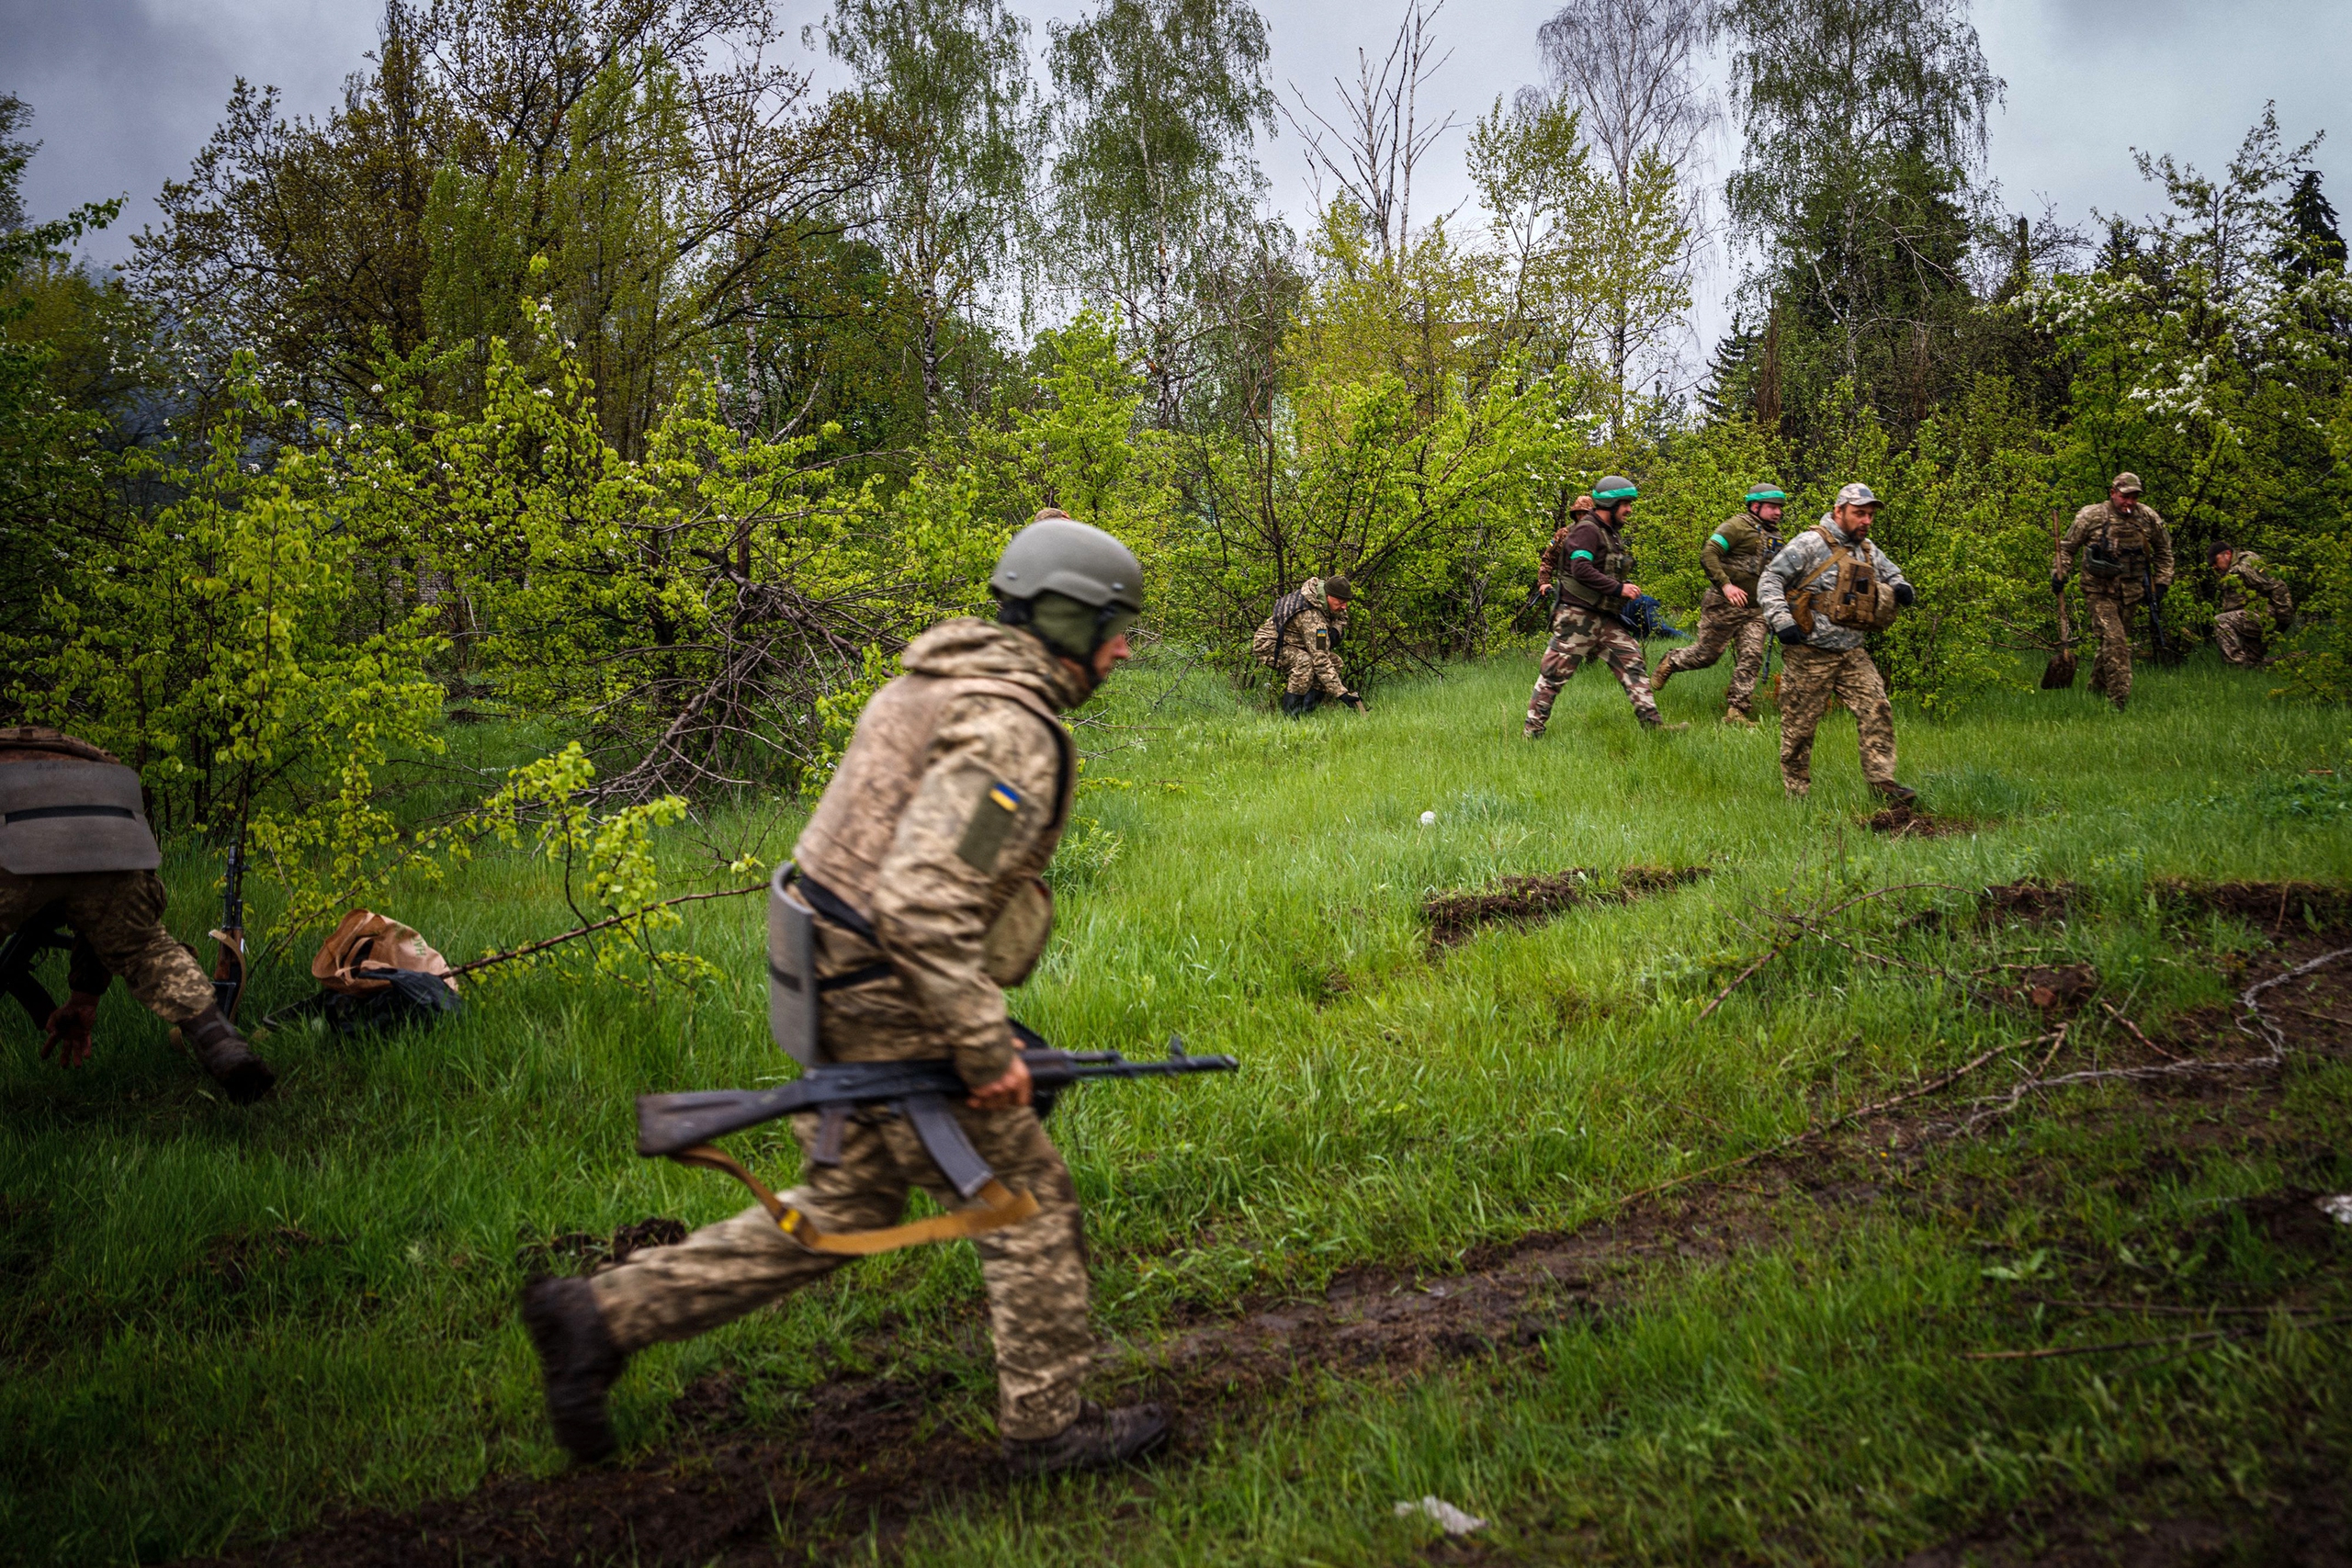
728,1492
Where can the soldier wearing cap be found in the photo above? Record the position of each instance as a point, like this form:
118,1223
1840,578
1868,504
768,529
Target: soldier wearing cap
2126,553
1734,556
1589,564
1300,642
75,852
2236,629
1826,589
923,862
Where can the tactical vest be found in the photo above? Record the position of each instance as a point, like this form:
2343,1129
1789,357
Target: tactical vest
2105,556
61,817
1616,560
2238,588
1744,565
1857,600
842,847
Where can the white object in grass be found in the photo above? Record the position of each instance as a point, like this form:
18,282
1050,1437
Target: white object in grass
2338,1208
1429,819
1448,1518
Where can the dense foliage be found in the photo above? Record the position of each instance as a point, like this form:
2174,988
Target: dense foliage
587,364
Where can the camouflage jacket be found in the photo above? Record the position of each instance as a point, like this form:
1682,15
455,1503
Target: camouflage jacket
1800,559
2140,544
981,821
2245,578
1306,626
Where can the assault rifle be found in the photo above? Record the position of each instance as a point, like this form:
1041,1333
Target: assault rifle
670,1125
2165,651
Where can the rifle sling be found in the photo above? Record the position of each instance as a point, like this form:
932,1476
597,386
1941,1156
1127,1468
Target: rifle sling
1002,1207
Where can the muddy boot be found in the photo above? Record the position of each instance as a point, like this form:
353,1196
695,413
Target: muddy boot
1896,795
1664,671
222,1051
1742,720
1097,1438
578,1361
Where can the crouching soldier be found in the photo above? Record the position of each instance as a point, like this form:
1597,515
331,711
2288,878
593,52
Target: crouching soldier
75,852
1826,588
1300,641
1589,563
1734,556
922,864
2235,628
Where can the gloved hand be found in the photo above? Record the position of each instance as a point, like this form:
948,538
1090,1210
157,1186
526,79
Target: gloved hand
1353,701
2057,584
69,1030
1904,595
1790,634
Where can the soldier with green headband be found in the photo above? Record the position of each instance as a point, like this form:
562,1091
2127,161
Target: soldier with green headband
1734,556
1589,564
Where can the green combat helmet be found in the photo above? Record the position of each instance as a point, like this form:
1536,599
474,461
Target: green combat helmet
1613,489
1071,584
1765,492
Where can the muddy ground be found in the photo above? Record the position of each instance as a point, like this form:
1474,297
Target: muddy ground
728,1491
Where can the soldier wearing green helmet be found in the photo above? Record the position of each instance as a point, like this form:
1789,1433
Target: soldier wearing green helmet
1734,556
1589,564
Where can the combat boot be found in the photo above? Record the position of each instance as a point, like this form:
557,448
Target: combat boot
1290,704
1097,1438
1665,672
578,1361
1534,729
222,1051
1657,725
1745,721
1896,795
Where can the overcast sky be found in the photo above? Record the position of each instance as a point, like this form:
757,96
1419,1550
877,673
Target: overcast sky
125,91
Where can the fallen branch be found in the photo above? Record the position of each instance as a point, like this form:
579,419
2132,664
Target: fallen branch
2116,1013
591,928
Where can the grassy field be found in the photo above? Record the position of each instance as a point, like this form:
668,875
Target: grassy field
223,1326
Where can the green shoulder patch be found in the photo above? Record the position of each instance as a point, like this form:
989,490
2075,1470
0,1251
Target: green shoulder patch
984,835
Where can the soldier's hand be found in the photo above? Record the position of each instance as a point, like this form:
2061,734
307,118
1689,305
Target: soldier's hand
2057,584
1904,593
1735,595
1790,634
1629,589
2160,590
69,1031
1013,1088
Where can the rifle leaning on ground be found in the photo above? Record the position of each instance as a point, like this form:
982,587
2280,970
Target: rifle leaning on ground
228,964
681,1127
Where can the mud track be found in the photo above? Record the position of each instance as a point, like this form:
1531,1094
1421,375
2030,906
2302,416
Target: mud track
1456,917
731,1494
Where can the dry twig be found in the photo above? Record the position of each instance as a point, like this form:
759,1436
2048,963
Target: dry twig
595,926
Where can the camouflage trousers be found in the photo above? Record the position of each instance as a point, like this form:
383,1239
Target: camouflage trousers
1035,1271
1578,635
2111,623
1810,679
121,914
1722,624
2239,637
1296,666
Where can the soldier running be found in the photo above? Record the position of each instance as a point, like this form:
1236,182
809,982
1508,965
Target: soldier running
1587,561
2127,559
1729,616
1301,642
922,863
1820,595
2235,630
75,852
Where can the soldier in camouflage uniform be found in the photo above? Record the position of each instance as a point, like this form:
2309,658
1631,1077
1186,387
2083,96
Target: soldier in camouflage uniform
2236,629
2126,554
75,851
1829,663
1587,562
1729,616
1301,641
924,849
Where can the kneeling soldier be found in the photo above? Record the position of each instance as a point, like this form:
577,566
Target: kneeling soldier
2236,629
920,859
1301,641
75,851
1729,617
1587,562
1826,588
2127,559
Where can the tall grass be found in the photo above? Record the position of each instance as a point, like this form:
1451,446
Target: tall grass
221,1323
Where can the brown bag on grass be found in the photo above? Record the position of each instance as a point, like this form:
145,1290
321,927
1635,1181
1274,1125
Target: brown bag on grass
357,957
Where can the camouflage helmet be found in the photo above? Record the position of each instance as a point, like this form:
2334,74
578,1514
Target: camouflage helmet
1614,487
1057,554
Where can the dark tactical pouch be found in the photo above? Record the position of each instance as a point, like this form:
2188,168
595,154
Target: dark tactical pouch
2103,558
408,996
62,818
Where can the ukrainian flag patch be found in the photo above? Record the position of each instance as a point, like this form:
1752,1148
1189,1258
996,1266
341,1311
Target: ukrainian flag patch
991,821
1004,794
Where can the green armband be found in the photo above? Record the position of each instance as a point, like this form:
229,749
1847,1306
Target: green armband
1579,554
1719,541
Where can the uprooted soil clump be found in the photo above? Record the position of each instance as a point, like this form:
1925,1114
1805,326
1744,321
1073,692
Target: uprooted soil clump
1456,918
1903,820
2271,906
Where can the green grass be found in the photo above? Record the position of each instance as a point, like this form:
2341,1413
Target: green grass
221,1323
